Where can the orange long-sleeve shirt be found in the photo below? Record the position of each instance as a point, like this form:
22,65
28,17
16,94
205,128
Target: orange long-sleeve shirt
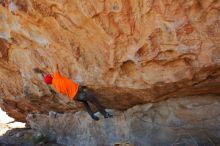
64,85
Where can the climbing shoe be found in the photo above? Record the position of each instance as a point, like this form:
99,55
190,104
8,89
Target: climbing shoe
95,118
108,115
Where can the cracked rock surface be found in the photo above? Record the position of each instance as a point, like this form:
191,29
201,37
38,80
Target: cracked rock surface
193,121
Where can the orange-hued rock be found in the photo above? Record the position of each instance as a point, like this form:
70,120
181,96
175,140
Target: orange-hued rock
127,51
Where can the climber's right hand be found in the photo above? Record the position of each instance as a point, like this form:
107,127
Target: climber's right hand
37,70
53,92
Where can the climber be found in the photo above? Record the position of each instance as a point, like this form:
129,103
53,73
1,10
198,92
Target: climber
73,90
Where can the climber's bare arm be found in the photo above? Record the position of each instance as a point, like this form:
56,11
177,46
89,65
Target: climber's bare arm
39,71
56,68
51,90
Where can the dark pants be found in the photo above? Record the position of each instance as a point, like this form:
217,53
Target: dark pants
84,96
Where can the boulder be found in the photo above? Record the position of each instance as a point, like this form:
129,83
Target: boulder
189,121
127,52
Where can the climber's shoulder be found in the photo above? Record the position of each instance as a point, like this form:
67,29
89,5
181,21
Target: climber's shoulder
56,74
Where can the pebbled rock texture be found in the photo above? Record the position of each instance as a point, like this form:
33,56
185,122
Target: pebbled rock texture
189,121
128,52
25,137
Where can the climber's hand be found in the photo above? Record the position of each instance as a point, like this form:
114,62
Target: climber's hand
53,92
37,70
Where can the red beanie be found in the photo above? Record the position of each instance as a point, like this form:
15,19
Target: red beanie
48,79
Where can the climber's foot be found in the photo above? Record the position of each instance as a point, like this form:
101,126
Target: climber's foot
108,115
95,118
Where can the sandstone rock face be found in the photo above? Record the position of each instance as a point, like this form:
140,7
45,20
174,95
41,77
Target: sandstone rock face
189,121
128,52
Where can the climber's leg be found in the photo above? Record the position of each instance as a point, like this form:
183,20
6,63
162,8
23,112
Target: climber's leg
84,95
81,96
90,111
91,98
